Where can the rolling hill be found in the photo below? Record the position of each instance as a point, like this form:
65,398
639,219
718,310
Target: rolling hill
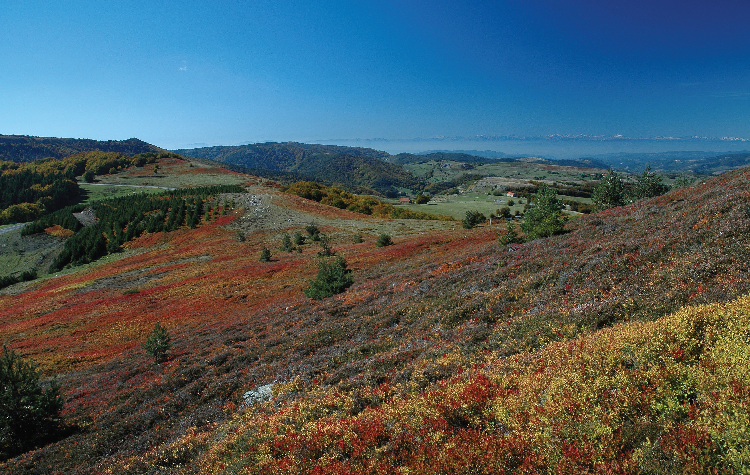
24,148
349,167
620,346
702,163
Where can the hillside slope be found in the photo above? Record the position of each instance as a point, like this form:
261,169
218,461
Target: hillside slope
328,164
23,148
559,354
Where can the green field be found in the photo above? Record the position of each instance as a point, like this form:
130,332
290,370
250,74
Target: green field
439,171
458,205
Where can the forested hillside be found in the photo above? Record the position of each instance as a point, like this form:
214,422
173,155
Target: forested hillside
615,347
23,148
30,190
328,164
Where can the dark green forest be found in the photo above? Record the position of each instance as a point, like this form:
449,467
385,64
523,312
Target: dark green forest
120,220
351,168
23,148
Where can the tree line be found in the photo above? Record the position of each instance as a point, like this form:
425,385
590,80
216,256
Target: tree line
120,220
31,190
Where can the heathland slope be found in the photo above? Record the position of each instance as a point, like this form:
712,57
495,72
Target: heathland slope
448,354
24,148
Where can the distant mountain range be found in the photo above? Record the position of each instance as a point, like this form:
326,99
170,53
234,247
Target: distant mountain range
702,163
24,148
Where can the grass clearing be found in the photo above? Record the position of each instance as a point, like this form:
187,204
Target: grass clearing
458,205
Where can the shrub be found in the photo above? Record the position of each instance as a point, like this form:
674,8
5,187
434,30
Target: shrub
158,343
503,212
358,239
384,240
312,230
299,239
648,185
286,243
333,278
265,255
423,199
510,236
325,244
472,219
29,415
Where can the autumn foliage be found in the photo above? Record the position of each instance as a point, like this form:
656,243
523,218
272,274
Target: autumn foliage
619,346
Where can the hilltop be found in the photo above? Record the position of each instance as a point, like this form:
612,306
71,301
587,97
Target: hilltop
23,148
589,351
350,167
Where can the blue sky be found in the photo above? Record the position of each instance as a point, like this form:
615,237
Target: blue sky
177,74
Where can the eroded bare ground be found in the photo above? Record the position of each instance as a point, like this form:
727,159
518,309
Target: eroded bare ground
266,211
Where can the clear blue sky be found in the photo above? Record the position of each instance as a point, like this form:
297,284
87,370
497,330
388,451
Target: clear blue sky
179,73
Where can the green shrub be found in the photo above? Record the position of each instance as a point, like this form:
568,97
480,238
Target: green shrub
325,244
510,236
423,199
158,343
299,239
286,243
472,219
265,255
384,240
333,278
610,192
29,415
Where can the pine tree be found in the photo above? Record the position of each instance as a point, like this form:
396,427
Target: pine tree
610,192
333,278
158,343
544,219
29,415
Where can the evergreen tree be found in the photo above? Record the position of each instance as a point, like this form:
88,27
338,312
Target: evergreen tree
29,415
286,243
333,278
510,236
158,343
648,185
384,240
472,218
265,255
610,192
544,219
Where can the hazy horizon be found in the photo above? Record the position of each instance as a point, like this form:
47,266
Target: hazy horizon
535,146
175,73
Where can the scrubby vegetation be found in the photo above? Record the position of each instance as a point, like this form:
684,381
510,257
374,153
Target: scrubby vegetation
544,218
618,346
358,203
